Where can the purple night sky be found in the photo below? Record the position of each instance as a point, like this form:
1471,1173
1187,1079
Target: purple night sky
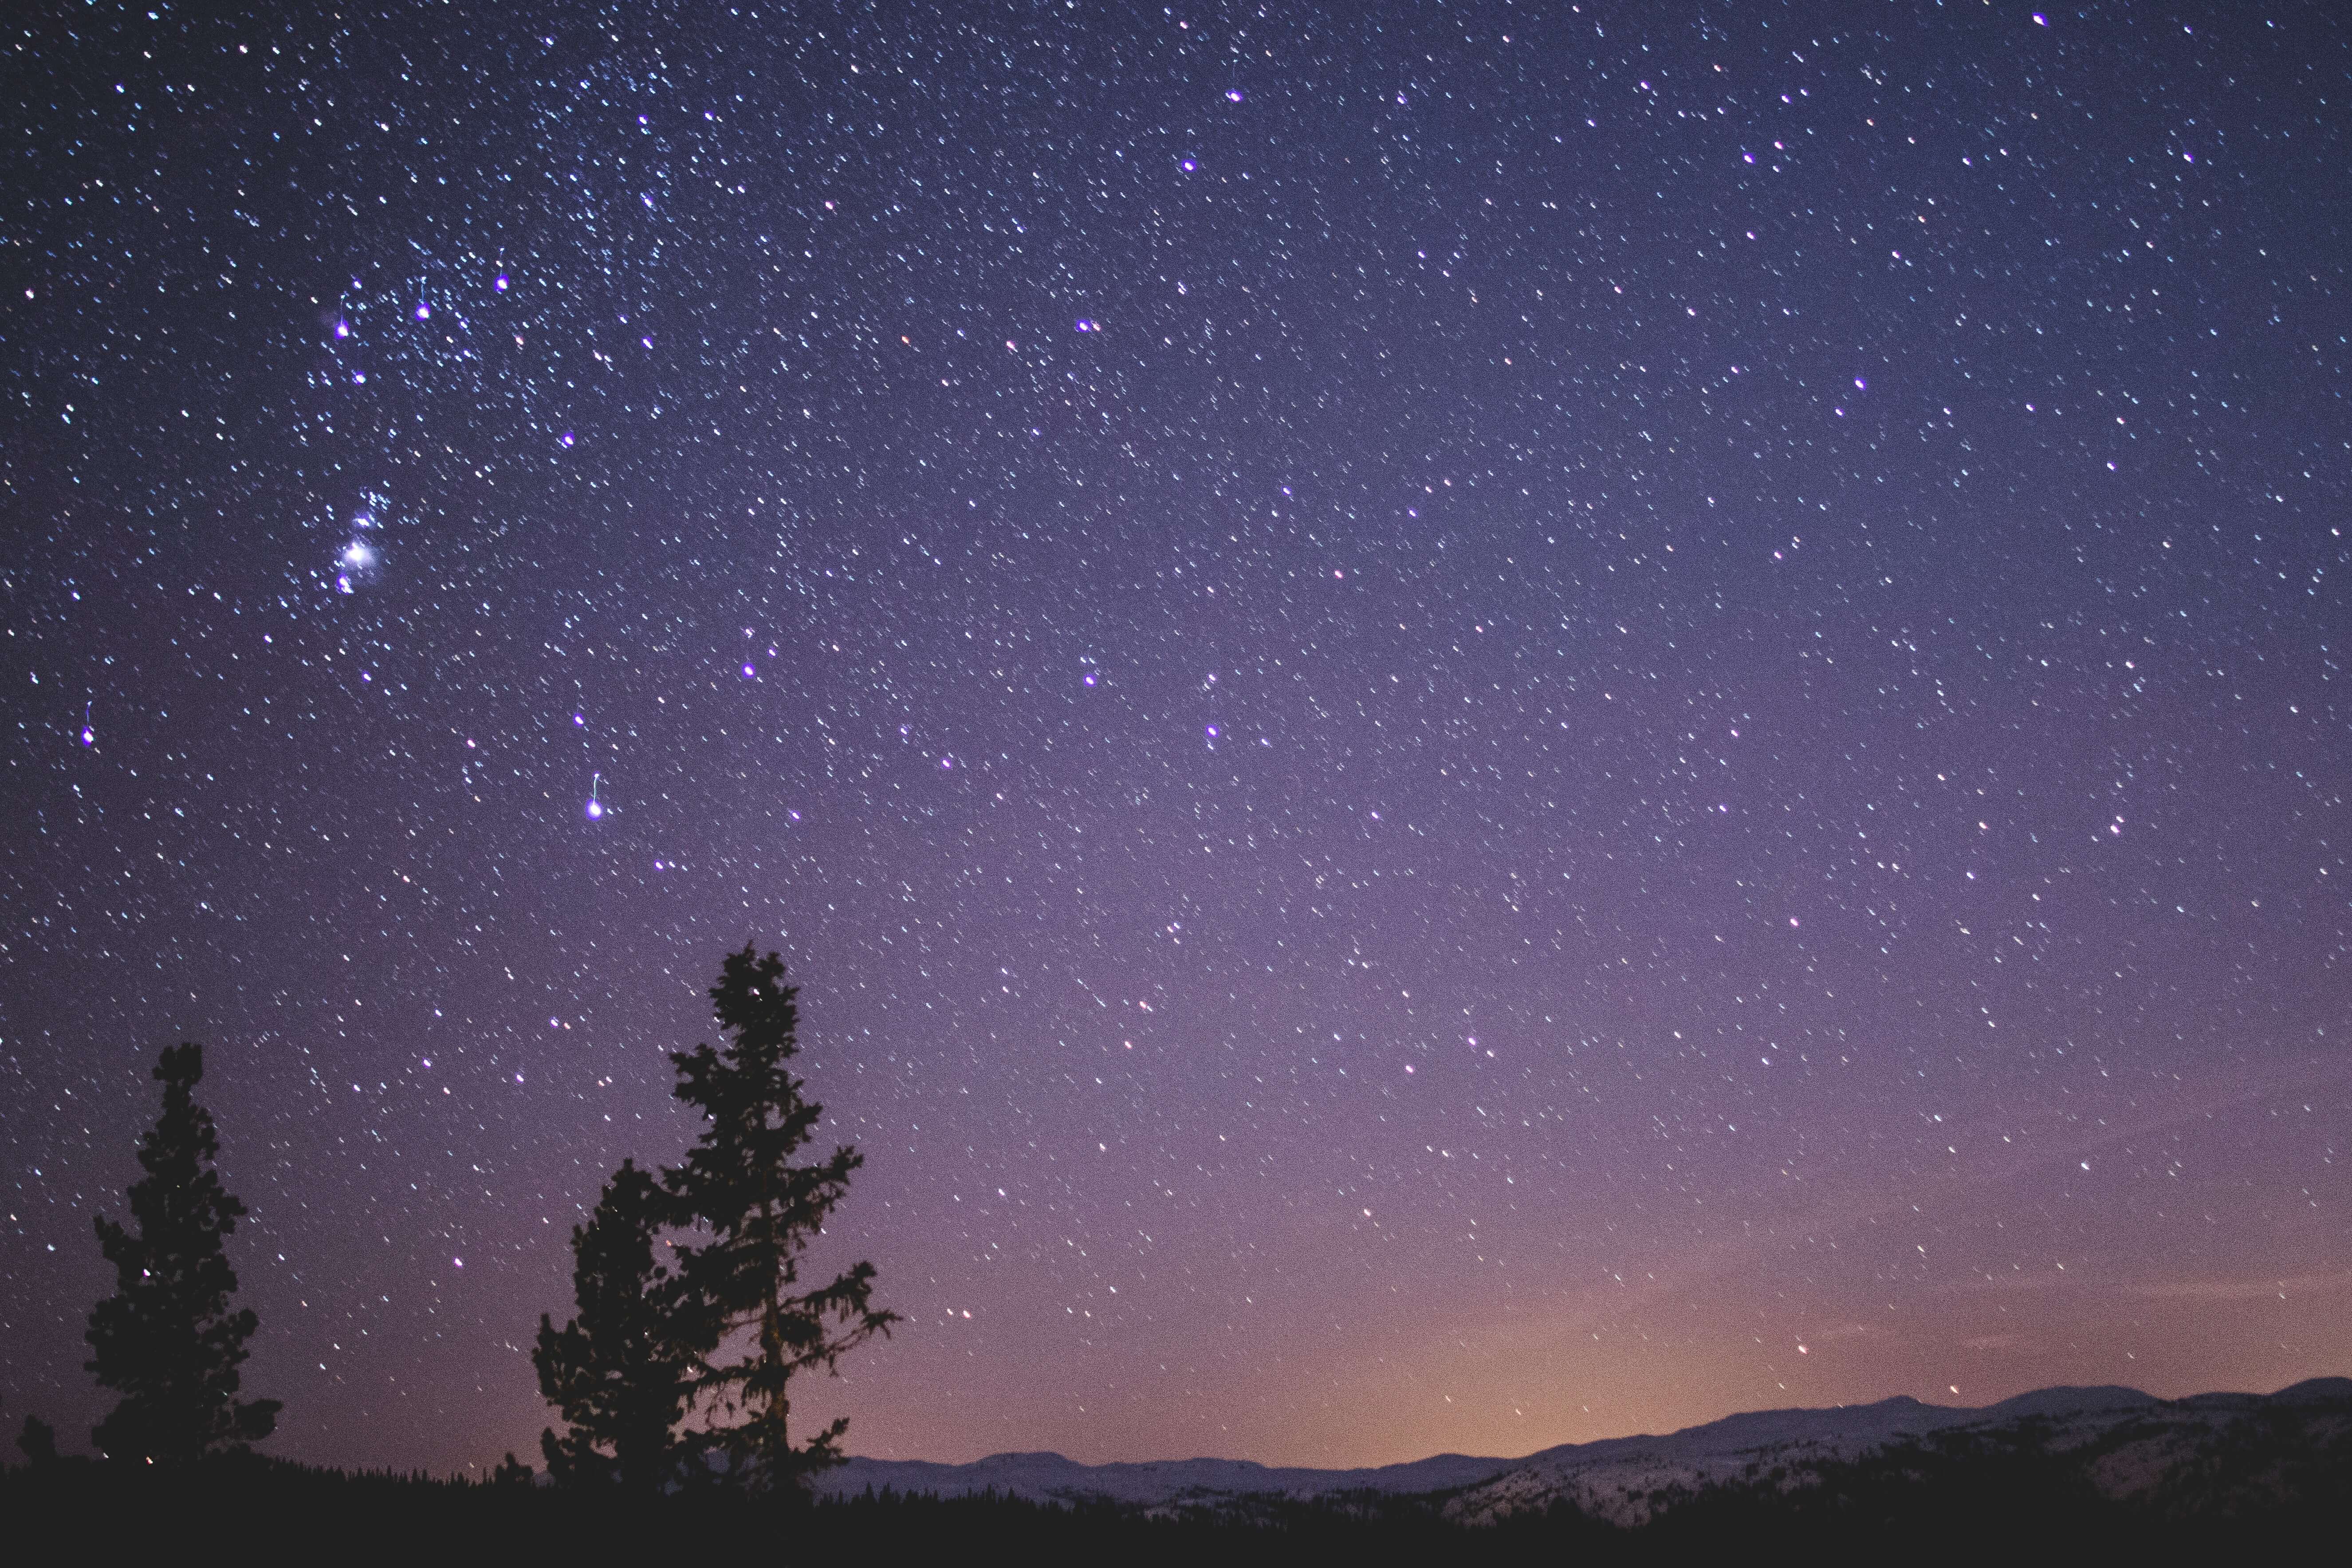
1475,724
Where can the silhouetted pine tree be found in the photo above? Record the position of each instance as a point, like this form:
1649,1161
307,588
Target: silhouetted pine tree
38,1439
166,1339
618,1372
761,1211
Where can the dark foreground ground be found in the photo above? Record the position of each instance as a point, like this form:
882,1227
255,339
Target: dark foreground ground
1999,1507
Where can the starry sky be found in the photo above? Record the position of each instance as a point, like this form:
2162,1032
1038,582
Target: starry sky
1476,724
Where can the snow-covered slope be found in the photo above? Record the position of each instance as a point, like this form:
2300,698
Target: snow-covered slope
2137,1444
1052,1478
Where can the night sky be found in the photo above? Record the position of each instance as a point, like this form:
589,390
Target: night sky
1475,724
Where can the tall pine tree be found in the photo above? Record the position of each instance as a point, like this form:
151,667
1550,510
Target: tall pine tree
166,1340
618,1372
760,1211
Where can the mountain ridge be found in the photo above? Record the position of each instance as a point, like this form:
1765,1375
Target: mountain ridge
2138,1440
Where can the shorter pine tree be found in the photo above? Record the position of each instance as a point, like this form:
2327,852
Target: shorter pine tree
38,1439
617,1372
166,1340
